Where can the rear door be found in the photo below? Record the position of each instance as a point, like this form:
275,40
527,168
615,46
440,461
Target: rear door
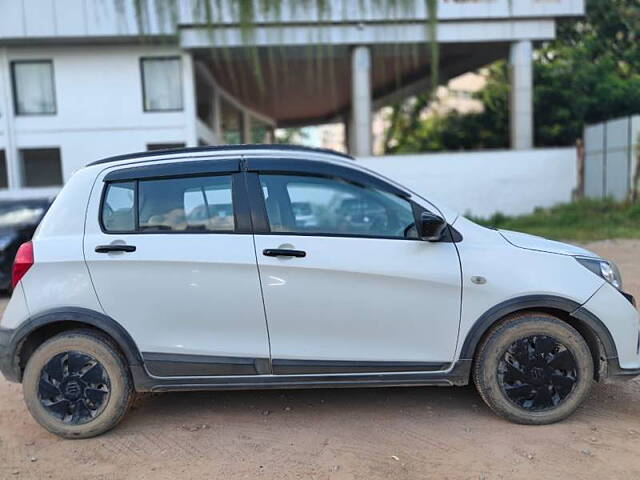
171,255
348,286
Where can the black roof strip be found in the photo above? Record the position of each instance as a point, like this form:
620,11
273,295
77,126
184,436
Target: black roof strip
175,169
220,148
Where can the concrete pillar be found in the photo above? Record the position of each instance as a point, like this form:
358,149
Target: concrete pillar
217,116
360,131
521,95
11,154
246,127
348,128
189,99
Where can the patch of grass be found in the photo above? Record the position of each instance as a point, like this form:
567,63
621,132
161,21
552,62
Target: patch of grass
582,221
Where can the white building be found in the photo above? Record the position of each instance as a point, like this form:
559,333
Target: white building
84,79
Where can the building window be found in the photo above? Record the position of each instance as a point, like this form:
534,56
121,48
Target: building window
33,87
41,167
164,146
4,183
161,84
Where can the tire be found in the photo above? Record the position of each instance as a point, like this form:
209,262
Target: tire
77,384
533,369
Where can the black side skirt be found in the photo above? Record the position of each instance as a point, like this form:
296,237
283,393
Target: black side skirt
180,365
319,375
290,367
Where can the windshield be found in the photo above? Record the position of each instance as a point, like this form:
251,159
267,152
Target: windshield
20,214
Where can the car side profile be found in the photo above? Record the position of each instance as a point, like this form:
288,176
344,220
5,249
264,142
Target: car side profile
248,267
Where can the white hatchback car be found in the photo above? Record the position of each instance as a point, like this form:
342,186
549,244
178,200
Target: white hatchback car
246,267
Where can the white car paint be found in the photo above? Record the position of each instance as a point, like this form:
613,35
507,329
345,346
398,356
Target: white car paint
16,310
185,293
513,272
540,244
60,274
350,299
361,299
621,320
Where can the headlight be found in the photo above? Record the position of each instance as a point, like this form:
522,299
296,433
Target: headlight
607,270
6,239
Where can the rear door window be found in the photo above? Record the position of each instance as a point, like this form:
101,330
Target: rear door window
198,204
118,213
191,204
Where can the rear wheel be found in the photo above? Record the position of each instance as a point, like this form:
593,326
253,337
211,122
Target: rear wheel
533,369
77,385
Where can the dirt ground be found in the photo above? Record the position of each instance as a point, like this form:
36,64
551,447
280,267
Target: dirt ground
390,433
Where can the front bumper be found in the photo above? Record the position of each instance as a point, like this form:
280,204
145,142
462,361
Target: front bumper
8,365
616,321
629,297
614,371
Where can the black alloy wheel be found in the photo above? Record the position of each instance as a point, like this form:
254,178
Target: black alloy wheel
537,373
74,387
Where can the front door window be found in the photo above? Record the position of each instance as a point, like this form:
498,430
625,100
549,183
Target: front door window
324,206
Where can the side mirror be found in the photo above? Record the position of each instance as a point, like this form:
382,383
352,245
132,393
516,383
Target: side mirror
431,226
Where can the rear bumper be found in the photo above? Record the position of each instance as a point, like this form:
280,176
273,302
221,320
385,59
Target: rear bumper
8,365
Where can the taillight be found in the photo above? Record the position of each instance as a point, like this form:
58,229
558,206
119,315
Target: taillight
22,263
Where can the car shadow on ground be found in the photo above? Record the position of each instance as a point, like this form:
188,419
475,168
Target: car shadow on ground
312,408
312,403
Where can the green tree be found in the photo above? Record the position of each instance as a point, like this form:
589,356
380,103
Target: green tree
590,73
291,136
411,132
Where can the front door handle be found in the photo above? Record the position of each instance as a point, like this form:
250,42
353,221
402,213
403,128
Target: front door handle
115,248
283,252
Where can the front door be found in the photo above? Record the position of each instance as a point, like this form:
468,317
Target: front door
347,285
172,263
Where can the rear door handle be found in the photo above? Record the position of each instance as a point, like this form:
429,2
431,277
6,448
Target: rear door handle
283,252
115,248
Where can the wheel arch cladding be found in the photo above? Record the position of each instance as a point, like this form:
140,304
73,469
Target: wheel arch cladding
594,332
39,328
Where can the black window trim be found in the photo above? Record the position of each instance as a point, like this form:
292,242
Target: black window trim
14,88
319,168
144,87
259,209
175,169
241,212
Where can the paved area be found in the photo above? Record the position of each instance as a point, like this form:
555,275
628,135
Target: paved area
399,433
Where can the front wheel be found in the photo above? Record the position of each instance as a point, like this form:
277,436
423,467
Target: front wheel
533,369
77,384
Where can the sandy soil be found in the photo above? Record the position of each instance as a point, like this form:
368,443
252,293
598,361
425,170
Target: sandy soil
400,433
